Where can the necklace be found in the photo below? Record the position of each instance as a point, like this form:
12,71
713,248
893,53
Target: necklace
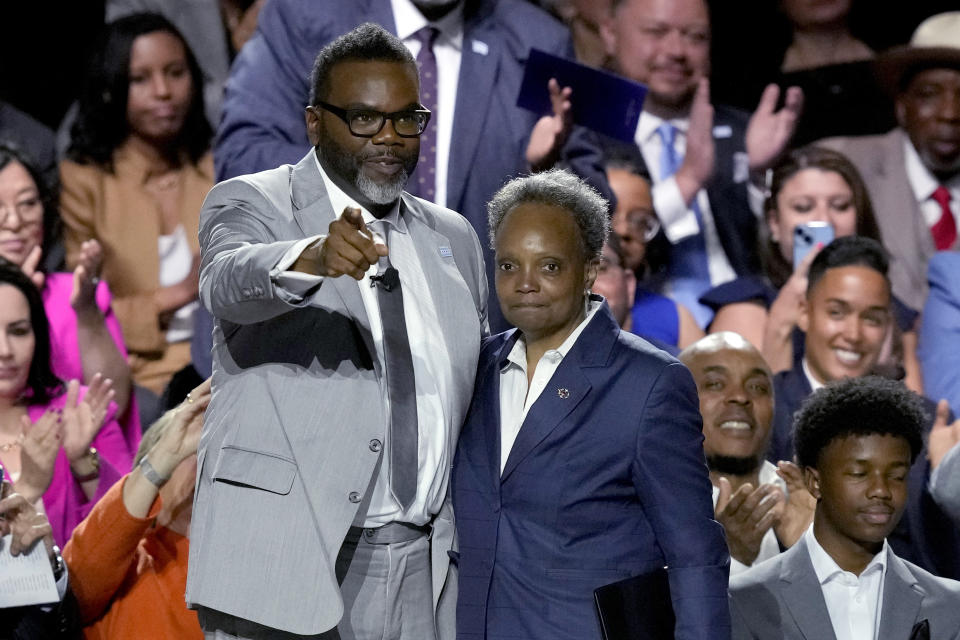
9,446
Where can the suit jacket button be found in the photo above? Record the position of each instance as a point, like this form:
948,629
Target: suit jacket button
375,445
354,497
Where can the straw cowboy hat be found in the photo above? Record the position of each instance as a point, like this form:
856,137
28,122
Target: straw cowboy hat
935,43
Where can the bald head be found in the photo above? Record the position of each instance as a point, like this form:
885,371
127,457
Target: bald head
736,401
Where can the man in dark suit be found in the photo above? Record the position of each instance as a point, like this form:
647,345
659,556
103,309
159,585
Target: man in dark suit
700,156
856,441
581,461
477,139
348,322
846,317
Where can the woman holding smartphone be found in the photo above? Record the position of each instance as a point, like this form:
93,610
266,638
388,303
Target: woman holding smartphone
812,190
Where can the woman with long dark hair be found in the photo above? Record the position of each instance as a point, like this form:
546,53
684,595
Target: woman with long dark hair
139,167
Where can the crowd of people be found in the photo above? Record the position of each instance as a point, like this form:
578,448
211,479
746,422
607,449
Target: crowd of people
308,330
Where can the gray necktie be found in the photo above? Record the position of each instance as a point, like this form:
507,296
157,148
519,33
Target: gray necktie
401,387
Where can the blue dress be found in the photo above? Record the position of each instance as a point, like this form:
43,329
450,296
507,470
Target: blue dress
655,317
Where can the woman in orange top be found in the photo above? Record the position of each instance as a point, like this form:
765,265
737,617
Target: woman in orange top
128,559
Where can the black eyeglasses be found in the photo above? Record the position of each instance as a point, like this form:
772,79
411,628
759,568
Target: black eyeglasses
366,123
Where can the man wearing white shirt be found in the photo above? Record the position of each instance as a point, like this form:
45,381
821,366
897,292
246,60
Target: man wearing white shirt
349,315
913,172
700,156
856,441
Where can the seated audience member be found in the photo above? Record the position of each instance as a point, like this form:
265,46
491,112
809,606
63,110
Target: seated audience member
128,558
477,138
939,341
856,441
138,171
700,155
635,224
59,444
845,316
913,172
85,337
750,498
580,463
808,185
28,527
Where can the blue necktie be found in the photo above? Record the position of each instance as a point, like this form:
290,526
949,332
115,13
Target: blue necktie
688,271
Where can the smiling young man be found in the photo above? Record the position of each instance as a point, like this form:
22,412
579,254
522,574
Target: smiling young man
348,321
580,463
856,442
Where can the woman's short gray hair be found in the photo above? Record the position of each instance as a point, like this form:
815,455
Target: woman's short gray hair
556,188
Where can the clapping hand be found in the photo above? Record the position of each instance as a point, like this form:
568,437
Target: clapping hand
769,131
699,158
30,267
19,518
82,419
943,436
181,437
38,453
551,132
800,507
746,515
86,276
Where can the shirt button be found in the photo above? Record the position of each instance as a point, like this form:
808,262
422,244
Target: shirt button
375,445
354,497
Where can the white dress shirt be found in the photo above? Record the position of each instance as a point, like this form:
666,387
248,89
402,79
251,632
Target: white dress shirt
515,398
431,364
814,383
853,602
678,220
447,49
769,547
923,184
176,260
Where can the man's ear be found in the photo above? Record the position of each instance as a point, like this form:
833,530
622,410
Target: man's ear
900,110
609,35
803,320
811,478
312,118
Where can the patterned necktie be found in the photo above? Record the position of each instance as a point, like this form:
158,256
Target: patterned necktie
423,183
944,232
401,387
688,270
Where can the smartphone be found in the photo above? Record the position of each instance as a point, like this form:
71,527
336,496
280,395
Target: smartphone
808,235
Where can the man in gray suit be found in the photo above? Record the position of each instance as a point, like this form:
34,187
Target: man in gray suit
348,323
855,440
913,172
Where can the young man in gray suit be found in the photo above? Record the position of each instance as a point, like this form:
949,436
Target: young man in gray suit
856,440
348,322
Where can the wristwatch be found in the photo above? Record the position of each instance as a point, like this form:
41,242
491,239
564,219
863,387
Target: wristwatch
151,474
93,458
57,564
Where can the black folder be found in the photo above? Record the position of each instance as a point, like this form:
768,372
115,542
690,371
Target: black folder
637,608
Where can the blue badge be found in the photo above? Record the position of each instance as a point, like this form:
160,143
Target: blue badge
445,252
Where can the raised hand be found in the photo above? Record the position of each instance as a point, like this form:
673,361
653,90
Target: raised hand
943,436
181,437
699,158
31,264
38,454
746,515
349,249
86,276
551,132
769,131
800,507
82,419
19,518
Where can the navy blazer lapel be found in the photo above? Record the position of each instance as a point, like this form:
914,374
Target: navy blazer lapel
902,598
479,66
488,381
313,213
802,594
566,389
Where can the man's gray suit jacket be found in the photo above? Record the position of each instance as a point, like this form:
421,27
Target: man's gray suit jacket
291,442
781,599
881,162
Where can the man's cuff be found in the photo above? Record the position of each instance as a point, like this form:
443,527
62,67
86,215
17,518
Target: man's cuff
295,283
677,219
737,567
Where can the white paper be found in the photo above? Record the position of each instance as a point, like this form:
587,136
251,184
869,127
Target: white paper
26,579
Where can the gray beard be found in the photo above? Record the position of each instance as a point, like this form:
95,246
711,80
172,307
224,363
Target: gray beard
382,192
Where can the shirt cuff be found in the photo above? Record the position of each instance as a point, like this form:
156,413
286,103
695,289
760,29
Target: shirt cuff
755,198
737,567
294,282
677,219
63,582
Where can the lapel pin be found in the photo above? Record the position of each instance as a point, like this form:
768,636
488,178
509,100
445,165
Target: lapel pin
445,252
480,47
563,393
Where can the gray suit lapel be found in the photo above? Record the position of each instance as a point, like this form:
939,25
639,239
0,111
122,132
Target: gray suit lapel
902,597
313,214
802,594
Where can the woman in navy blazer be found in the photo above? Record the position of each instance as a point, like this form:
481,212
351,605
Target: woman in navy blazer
581,460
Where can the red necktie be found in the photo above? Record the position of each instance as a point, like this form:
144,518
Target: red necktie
945,231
